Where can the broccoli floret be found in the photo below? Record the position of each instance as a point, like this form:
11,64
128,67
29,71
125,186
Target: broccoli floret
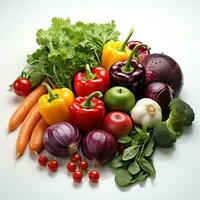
181,114
164,135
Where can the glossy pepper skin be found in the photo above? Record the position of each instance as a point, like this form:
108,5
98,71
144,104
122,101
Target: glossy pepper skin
115,51
91,80
142,52
130,74
87,113
54,106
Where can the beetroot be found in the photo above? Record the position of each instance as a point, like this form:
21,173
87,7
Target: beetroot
162,68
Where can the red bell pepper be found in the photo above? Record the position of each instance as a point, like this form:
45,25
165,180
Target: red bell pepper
87,113
89,81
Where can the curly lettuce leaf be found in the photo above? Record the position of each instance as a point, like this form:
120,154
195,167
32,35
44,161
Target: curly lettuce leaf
66,48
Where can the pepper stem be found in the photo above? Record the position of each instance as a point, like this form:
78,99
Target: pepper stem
128,68
122,48
88,102
52,96
89,74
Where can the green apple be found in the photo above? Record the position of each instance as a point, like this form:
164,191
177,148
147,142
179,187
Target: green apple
119,98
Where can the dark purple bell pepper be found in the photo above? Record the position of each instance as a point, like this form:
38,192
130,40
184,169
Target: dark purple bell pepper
129,73
142,52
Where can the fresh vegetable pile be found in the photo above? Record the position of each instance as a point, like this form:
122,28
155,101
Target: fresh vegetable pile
116,101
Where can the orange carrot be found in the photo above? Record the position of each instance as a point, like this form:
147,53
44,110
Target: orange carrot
36,141
23,109
26,129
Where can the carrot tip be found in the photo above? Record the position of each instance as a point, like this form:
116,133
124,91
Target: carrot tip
9,130
35,153
18,155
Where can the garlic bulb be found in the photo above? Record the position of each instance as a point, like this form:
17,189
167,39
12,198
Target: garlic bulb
146,112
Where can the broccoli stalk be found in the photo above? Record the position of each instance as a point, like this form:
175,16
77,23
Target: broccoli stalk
181,114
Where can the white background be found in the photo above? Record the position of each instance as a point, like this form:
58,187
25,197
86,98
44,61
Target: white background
172,27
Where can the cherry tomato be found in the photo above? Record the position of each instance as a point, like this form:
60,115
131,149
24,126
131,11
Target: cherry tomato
53,165
94,176
42,160
77,176
71,166
76,157
22,86
83,165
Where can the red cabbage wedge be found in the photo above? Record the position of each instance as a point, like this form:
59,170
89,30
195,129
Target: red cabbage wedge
162,68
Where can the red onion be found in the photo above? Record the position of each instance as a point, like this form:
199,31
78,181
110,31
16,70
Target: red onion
161,93
162,68
61,139
99,146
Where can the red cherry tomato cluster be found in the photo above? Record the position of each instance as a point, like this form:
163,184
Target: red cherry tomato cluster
79,168
52,163
22,86
76,165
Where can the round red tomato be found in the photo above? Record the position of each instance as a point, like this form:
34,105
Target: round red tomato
77,176
117,123
53,165
42,160
76,157
22,86
94,176
71,166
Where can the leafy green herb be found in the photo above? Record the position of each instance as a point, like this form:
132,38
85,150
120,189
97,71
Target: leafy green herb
149,148
130,153
124,139
140,177
123,177
135,164
140,138
146,166
134,168
117,162
138,129
66,48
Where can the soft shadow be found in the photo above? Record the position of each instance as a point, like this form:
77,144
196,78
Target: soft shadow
69,174
16,99
52,173
152,179
125,188
41,168
94,185
105,172
33,156
142,184
77,185
189,131
164,153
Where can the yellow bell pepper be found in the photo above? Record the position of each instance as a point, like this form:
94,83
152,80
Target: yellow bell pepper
54,106
114,51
